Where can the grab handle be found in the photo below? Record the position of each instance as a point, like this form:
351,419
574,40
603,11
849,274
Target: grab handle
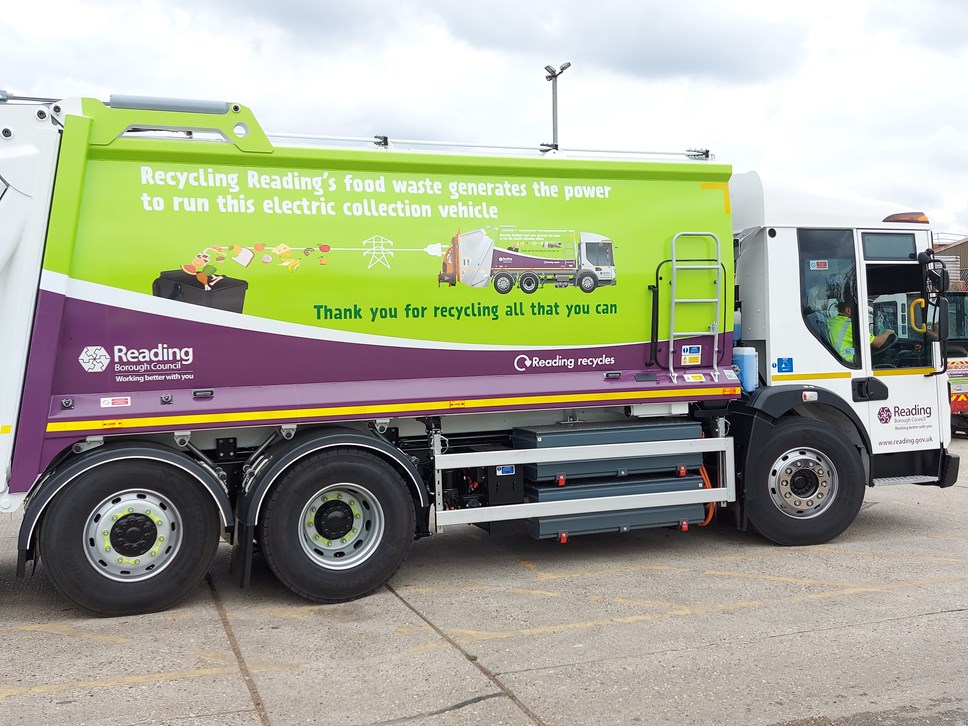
231,122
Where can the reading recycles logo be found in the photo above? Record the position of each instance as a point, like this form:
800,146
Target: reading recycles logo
94,359
884,414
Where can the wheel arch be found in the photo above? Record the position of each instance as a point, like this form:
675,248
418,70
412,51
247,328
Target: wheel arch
68,470
755,418
812,402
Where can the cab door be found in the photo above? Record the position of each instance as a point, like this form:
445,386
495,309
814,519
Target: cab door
900,383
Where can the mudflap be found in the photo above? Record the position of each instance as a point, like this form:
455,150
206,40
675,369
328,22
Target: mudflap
949,470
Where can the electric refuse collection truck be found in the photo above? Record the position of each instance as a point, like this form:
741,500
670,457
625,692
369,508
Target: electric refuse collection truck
208,333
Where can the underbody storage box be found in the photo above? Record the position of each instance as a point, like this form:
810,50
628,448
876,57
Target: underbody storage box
585,434
617,521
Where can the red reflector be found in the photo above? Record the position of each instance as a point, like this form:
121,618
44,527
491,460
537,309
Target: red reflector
683,526
682,470
561,480
915,217
563,538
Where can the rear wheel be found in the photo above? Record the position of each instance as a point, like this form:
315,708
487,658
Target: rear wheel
528,283
129,537
337,526
503,283
807,485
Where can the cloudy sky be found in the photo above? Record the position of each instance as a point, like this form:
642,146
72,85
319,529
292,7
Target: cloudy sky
869,95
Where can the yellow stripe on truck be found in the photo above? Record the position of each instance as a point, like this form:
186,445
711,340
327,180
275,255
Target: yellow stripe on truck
879,372
808,376
400,409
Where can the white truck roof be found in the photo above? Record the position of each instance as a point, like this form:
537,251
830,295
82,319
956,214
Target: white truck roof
774,201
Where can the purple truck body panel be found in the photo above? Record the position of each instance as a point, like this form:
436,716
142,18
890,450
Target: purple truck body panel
266,378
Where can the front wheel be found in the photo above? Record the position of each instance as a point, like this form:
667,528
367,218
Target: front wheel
337,526
587,282
129,537
807,484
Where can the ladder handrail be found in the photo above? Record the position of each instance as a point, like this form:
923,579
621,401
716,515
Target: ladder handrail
682,267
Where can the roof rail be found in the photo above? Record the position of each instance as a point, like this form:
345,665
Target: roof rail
6,97
386,142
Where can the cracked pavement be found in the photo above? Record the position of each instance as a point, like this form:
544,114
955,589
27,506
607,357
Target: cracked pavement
711,626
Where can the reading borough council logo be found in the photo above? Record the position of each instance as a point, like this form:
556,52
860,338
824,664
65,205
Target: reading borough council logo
94,359
884,414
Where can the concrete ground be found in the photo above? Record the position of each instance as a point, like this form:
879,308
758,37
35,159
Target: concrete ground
655,627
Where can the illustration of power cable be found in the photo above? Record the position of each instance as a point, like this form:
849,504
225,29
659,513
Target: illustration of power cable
378,250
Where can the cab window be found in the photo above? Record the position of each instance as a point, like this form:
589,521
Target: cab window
828,291
897,315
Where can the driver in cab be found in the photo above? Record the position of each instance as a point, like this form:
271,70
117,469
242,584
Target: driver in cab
840,330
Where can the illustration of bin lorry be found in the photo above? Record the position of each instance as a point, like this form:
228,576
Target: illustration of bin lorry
334,401
508,257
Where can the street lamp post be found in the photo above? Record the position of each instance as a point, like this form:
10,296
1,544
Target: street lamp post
553,77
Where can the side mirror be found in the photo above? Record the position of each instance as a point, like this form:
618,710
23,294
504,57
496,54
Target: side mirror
939,278
936,278
936,317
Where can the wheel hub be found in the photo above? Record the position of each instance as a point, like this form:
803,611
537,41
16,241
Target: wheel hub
341,526
334,519
803,483
133,535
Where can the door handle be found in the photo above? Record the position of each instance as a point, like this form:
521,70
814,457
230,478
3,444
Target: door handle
869,389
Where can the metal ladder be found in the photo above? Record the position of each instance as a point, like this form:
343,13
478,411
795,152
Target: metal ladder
687,265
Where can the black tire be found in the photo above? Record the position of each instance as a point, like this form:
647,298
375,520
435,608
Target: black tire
503,283
162,550
338,525
528,282
806,485
587,282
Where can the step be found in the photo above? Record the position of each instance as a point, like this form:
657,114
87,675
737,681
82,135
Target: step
916,479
